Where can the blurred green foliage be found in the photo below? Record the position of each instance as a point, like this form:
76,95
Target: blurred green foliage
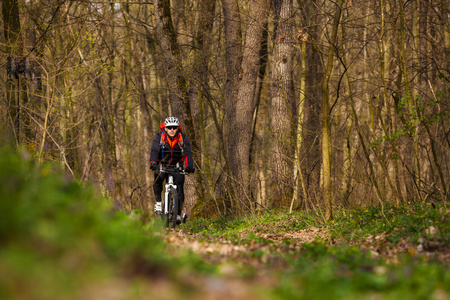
58,236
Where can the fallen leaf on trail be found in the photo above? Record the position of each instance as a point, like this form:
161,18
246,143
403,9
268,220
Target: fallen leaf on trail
380,270
431,230
420,248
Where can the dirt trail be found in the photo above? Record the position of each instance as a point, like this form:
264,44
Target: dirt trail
258,255
264,260
221,250
223,246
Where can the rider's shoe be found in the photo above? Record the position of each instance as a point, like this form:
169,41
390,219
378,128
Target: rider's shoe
178,219
158,209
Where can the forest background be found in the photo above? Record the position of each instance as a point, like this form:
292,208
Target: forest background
294,104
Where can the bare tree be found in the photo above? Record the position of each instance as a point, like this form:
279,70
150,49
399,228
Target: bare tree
245,103
283,110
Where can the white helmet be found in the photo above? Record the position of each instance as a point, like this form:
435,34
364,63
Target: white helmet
171,121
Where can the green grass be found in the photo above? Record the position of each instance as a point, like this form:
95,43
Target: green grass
344,264
412,221
247,228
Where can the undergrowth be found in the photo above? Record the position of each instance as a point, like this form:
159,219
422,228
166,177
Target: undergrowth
269,221
412,221
367,252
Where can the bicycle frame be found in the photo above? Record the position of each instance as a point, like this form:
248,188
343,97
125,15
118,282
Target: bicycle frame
168,186
171,187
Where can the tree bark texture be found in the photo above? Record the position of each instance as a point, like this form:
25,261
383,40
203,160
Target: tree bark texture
245,104
233,58
283,110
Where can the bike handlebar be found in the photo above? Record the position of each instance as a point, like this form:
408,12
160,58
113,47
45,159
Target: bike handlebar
172,170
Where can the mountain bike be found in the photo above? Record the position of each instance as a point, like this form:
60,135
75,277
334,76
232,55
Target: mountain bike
170,204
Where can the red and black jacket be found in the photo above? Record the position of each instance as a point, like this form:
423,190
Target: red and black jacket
169,152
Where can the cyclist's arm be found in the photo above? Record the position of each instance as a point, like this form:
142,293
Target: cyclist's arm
154,154
188,161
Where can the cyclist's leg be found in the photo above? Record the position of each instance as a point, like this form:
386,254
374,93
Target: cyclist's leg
179,181
158,187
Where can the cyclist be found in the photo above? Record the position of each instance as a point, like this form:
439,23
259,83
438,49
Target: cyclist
170,148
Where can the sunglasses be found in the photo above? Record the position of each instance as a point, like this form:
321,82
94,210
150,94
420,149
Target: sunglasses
172,127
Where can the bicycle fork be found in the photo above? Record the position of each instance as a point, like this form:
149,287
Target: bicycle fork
169,185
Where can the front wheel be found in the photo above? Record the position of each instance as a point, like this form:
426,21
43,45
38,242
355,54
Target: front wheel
174,207
166,215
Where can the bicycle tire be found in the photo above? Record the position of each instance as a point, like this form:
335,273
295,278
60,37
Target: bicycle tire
174,209
165,216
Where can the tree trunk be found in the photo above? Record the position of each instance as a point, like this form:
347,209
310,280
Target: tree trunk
410,101
326,135
172,62
283,110
313,95
200,90
11,24
233,58
298,173
245,102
